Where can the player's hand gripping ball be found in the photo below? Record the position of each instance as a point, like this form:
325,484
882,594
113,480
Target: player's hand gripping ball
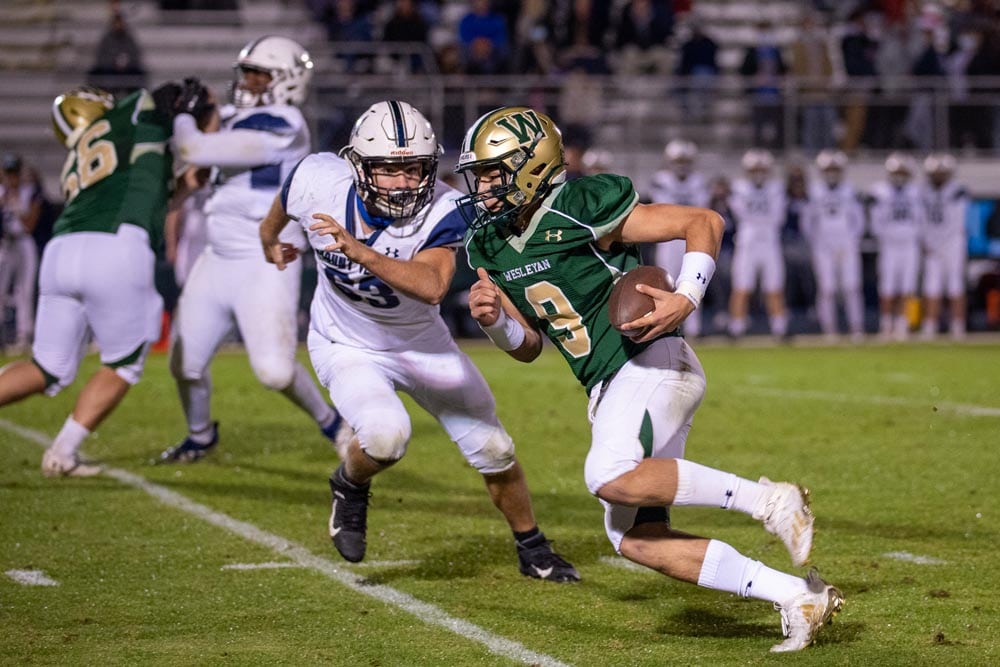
627,304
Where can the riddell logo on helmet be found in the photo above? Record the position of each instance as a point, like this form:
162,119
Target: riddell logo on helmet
401,151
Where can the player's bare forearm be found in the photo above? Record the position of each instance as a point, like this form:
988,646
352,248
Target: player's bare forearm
701,228
426,277
276,252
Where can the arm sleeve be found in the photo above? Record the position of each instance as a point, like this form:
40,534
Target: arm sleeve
246,146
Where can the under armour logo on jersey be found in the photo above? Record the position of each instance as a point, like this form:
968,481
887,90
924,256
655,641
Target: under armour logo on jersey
392,252
553,235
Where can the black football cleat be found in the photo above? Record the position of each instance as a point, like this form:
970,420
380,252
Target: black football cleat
541,562
189,451
348,516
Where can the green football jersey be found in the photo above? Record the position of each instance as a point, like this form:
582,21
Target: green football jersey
119,172
559,279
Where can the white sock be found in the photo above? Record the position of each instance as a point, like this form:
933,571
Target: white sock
854,306
703,486
826,312
70,437
304,393
737,326
726,569
779,324
885,323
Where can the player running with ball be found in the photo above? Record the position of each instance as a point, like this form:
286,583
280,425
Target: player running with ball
548,252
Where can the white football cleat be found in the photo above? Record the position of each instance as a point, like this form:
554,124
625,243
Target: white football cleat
806,613
784,509
56,465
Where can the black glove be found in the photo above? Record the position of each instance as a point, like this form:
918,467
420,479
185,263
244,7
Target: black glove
195,99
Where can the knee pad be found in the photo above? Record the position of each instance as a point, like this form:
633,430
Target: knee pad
274,372
494,454
385,437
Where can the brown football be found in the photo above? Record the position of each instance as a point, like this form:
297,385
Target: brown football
626,304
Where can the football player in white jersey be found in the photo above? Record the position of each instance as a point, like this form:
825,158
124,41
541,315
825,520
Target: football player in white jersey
945,245
897,219
758,201
20,208
833,224
263,136
680,184
385,235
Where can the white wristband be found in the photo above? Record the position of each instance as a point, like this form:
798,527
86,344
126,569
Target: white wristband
696,270
506,333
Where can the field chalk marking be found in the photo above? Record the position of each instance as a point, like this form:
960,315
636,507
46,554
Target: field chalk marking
624,564
913,558
964,409
31,578
286,565
302,557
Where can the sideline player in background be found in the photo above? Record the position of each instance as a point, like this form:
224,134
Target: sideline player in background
945,246
759,203
263,136
548,252
97,271
833,225
21,207
679,184
385,234
897,220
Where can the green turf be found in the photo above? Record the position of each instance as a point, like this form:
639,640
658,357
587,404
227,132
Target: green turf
884,437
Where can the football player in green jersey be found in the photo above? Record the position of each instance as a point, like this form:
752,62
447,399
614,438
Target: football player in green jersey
548,252
97,271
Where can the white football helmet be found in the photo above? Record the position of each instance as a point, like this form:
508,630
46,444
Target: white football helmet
757,163
938,163
285,60
597,161
900,168
757,159
832,164
939,168
680,155
393,133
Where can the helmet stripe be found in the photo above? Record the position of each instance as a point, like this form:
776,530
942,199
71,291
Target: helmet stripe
397,118
57,115
474,132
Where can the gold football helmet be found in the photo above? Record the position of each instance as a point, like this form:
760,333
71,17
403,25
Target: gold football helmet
76,110
526,146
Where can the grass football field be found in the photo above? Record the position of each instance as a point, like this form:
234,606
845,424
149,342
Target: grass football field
228,562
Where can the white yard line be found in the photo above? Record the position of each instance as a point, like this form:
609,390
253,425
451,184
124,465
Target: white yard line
913,558
31,578
625,564
285,565
302,557
964,409
258,566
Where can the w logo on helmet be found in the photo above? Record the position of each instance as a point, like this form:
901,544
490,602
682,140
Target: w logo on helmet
524,125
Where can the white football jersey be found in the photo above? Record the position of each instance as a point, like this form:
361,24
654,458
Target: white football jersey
833,214
760,211
352,306
666,188
252,153
945,209
897,213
